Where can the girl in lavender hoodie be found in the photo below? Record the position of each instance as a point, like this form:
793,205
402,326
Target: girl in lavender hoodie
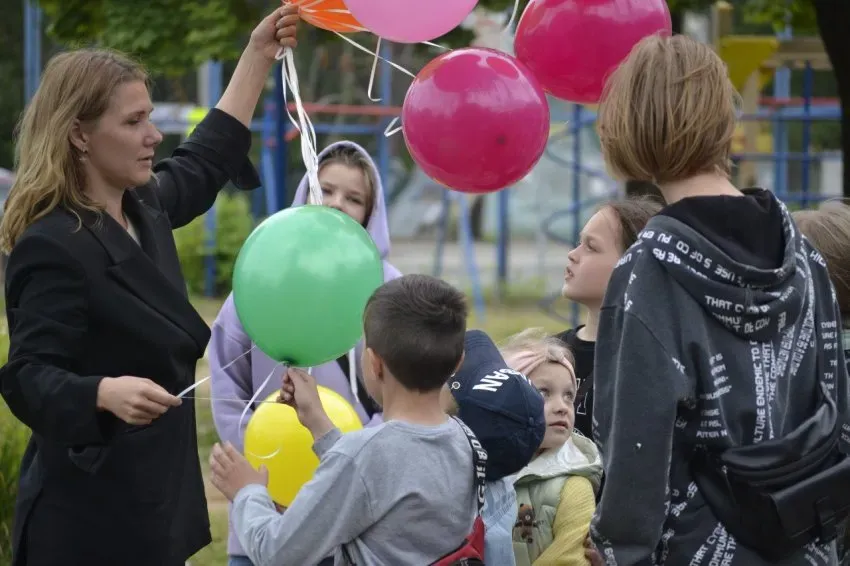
351,184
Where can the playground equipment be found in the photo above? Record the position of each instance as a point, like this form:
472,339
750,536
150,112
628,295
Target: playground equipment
755,61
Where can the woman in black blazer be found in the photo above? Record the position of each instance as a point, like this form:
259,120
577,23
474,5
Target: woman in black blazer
103,336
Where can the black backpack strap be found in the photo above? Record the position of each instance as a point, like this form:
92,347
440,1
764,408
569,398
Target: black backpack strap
479,462
369,405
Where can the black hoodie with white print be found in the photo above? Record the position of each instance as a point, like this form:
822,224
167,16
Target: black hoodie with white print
706,340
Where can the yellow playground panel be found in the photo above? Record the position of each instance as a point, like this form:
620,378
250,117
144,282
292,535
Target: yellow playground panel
752,61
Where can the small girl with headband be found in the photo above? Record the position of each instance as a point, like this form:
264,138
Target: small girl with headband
556,492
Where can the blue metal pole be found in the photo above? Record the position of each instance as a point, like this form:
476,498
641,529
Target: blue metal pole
442,233
269,145
280,161
503,242
781,90
32,48
808,79
576,131
469,253
214,90
384,149
28,90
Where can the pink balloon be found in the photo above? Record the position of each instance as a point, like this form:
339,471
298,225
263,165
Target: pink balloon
475,120
410,21
571,46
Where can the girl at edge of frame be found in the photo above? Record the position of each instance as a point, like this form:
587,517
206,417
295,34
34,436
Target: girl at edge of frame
828,229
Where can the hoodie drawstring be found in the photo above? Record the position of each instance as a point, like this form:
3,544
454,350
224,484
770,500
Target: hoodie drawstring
352,374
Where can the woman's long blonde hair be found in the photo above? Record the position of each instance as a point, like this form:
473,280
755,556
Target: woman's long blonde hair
76,85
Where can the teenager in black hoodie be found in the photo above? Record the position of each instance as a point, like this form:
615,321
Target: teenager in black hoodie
719,327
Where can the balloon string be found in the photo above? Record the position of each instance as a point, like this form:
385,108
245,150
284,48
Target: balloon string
373,73
248,406
373,54
512,20
304,125
390,129
230,400
198,383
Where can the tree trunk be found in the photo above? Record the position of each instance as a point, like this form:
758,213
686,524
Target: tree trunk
833,16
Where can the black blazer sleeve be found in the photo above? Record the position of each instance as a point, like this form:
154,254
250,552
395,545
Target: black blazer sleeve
188,182
46,306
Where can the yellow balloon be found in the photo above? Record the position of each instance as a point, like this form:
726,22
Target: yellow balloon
276,439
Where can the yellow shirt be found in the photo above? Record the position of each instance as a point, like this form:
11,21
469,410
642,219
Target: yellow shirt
572,523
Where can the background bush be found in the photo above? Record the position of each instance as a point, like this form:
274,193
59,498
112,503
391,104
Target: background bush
13,442
234,224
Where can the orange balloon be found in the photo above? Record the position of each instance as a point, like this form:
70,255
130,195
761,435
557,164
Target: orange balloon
332,15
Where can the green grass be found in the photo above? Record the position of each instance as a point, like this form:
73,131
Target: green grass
216,553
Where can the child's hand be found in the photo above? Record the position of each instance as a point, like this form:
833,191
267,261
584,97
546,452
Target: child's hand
591,553
231,471
299,391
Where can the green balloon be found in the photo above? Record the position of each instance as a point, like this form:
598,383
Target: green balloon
301,283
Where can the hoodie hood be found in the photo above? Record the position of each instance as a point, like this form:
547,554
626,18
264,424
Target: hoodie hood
748,300
577,457
378,227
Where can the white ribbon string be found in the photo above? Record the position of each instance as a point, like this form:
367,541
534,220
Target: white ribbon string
352,373
248,404
198,383
248,407
438,46
512,20
373,72
373,54
304,125
390,129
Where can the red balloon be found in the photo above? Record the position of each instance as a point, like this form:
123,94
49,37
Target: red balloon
475,120
571,46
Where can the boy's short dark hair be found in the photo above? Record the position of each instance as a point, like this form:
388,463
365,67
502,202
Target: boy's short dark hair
417,325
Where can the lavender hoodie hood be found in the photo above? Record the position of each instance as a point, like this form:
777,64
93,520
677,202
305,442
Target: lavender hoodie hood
234,383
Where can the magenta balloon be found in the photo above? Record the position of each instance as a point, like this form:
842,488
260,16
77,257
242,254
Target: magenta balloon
571,46
410,21
475,120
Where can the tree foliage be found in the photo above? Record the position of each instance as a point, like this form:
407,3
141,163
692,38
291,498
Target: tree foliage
175,36
170,36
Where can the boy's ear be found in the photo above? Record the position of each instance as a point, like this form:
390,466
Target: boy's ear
376,364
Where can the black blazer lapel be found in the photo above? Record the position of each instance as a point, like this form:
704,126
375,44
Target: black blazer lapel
136,267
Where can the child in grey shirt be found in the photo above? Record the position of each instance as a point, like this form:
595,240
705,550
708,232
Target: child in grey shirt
399,493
